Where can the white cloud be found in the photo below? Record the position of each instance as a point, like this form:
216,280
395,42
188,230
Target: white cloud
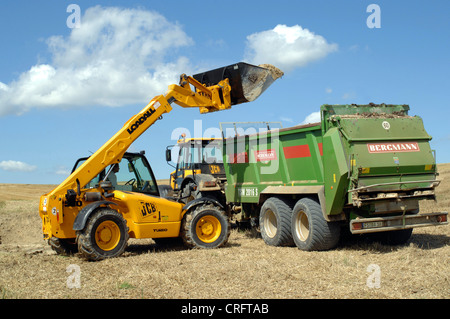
311,118
287,47
328,90
348,95
61,170
117,57
286,119
16,166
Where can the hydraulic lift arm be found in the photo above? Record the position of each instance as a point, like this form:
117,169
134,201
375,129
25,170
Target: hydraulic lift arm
213,92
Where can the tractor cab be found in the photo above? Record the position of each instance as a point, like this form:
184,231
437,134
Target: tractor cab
196,156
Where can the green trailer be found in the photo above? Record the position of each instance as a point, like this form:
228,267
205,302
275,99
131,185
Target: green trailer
363,167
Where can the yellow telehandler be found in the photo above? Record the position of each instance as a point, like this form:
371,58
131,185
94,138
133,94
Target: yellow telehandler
112,195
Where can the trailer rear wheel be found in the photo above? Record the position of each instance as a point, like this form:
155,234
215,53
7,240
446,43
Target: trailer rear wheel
310,230
274,222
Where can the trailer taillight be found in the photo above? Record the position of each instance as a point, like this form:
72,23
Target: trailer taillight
376,224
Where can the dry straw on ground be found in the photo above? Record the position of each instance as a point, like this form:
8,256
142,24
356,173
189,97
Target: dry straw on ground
245,268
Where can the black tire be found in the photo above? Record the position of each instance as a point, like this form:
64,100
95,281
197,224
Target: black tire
207,226
310,230
104,236
64,247
275,222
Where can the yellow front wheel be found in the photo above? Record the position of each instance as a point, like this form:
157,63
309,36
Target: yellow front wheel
207,226
105,235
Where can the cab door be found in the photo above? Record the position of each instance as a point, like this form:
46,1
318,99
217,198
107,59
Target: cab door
182,164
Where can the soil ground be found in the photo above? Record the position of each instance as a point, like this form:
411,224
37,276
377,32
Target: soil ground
245,268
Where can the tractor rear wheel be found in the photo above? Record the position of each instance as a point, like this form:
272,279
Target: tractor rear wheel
105,235
207,226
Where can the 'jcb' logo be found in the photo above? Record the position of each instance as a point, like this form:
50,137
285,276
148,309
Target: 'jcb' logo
215,169
147,208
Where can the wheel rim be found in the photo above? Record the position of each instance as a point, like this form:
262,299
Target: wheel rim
107,235
302,226
270,223
208,229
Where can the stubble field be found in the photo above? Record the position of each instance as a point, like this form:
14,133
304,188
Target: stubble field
245,269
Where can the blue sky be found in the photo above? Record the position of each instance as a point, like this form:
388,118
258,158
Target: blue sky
64,92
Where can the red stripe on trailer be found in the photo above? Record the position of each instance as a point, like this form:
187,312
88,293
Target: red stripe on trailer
238,158
296,151
299,151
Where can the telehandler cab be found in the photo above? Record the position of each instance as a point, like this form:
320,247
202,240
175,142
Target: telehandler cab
97,208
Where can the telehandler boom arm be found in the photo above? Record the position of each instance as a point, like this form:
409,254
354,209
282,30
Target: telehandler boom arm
214,90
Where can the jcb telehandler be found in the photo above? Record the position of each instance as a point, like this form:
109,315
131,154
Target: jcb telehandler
112,195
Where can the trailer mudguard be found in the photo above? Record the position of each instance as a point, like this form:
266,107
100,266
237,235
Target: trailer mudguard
83,215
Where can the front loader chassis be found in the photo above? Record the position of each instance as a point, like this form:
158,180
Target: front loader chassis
105,234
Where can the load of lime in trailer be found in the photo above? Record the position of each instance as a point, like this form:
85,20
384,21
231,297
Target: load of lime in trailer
363,167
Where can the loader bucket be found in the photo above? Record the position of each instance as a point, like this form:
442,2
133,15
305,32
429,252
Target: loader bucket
247,81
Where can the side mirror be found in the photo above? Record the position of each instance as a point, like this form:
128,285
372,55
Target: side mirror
169,155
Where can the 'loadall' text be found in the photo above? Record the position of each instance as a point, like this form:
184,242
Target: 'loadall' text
140,121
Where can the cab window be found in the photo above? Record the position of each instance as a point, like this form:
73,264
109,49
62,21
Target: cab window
131,174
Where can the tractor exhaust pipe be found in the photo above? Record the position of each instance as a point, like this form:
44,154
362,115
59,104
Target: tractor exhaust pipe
247,81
